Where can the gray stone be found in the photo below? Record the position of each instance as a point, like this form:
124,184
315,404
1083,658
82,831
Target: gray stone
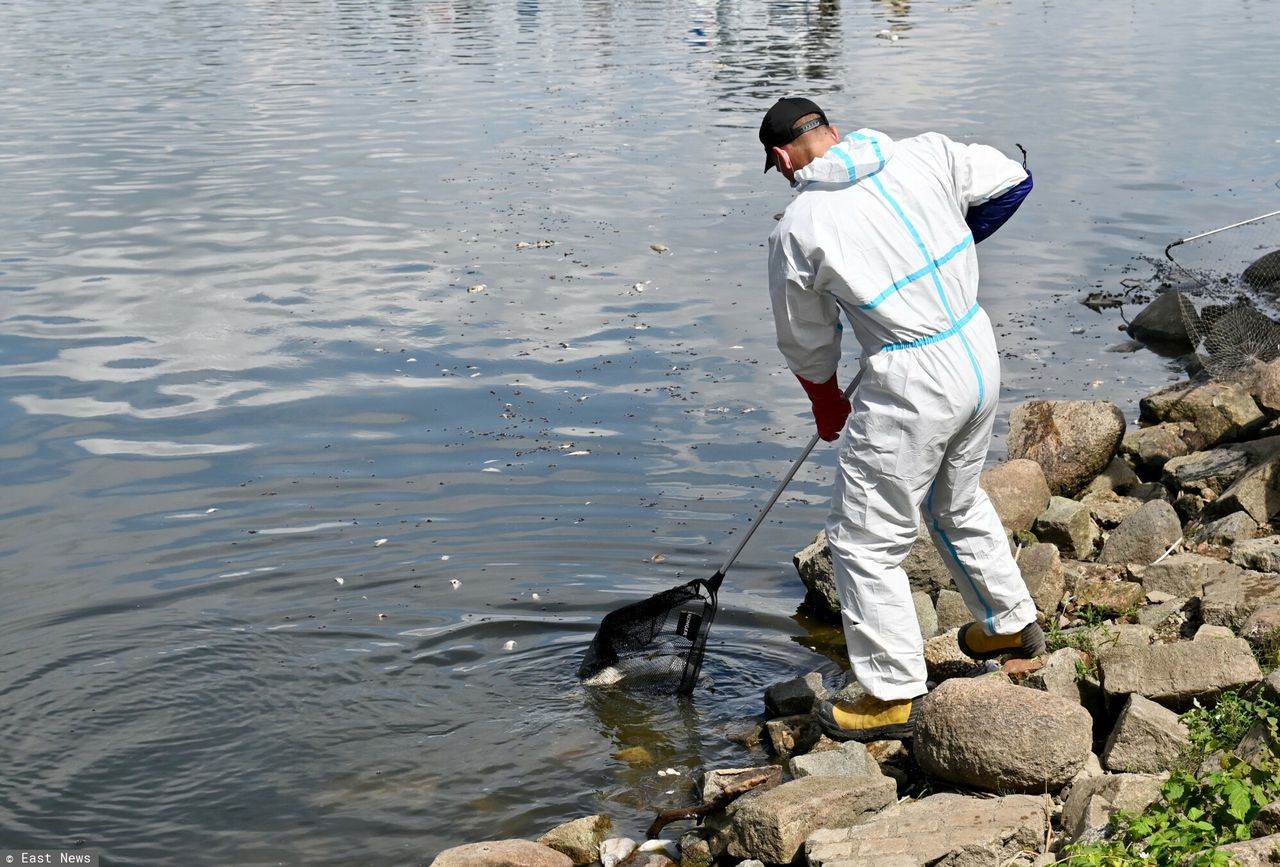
1019,492
1261,555
1110,598
1147,739
1001,738
925,567
850,759
1256,747
1262,630
579,839
943,658
773,826
1267,821
1093,802
1108,508
792,735
1220,411
1072,440
1162,322
952,612
927,831
813,565
1092,768
1117,478
800,695
1258,852
1235,527
1263,272
1230,603
1177,674
1068,525
1144,536
1042,572
1149,491
1150,448
502,853
1256,492
1185,575
1060,675
696,850
1212,470
715,782
925,613
1271,687
1077,573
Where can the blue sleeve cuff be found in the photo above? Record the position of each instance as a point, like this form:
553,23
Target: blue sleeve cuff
984,219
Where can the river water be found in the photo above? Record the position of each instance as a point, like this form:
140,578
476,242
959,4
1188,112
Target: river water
303,532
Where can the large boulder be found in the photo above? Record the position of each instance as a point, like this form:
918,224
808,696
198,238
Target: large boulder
1220,411
1258,852
800,695
773,826
1117,478
1235,527
1019,492
1143,536
1147,738
502,853
1175,675
1109,509
928,830
1094,801
1072,440
1001,737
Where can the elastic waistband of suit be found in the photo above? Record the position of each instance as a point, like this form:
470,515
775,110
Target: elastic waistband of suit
934,338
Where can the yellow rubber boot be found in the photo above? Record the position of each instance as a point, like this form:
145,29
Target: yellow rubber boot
869,719
977,644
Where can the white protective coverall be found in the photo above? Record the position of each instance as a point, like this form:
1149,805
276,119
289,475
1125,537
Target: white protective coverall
878,232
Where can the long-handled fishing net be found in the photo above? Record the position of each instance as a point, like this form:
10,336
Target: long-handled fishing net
657,644
1230,307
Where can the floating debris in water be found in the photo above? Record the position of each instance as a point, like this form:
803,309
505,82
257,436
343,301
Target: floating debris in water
210,511
455,583
444,556
479,287
379,543
659,248
1096,301
640,287
579,452
510,645
340,581
659,558
616,850
382,617
491,470
541,245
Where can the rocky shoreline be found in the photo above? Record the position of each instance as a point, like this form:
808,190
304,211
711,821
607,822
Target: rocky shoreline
1156,572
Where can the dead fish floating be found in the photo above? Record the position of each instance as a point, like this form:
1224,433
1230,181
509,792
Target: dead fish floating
659,248
538,245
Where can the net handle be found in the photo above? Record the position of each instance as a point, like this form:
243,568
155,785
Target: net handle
716,579
1215,231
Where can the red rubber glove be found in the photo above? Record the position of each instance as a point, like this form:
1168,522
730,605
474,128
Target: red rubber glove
830,407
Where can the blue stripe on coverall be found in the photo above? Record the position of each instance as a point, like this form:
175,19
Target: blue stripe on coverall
955,324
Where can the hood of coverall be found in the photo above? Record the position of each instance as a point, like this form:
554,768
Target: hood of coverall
856,157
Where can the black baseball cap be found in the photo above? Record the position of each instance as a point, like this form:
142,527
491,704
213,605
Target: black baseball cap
779,125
